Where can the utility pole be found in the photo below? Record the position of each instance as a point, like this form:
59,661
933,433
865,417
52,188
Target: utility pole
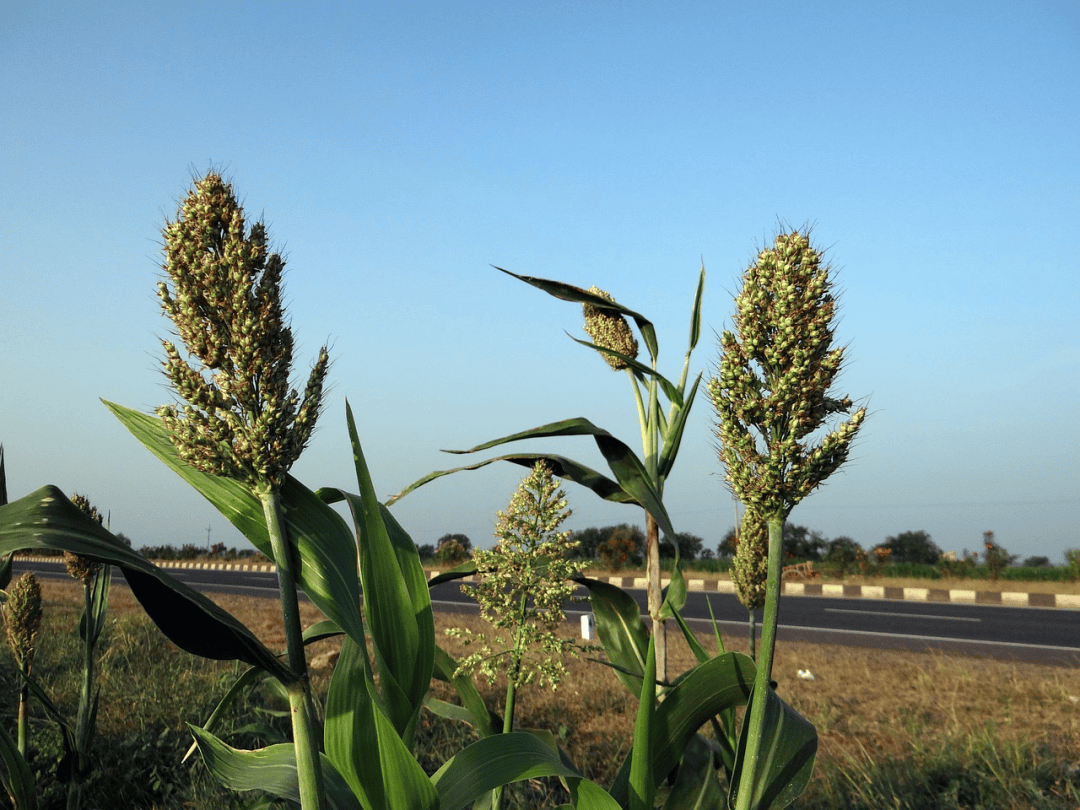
208,540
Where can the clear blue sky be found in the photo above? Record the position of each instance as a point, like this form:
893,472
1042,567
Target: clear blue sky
398,150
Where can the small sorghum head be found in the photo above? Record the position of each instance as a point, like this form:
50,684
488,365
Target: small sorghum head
22,618
609,330
81,568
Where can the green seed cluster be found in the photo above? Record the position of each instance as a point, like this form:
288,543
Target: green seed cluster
609,330
22,618
524,581
774,378
239,417
78,567
750,570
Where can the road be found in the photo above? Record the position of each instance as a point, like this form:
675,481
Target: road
1038,635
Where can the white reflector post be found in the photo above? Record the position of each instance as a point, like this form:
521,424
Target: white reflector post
588,626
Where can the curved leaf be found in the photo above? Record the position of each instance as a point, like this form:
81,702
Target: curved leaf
483,719
568,292
16,774
466,569
561,466
621,630
630,473
325,546
47,519
788,748
492,762
272,769
670,390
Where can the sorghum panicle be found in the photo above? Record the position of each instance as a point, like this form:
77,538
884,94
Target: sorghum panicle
776,370
22,618
78,567
239,416
609,329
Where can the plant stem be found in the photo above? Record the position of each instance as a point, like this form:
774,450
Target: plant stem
24,716
305,742
763,679
652,573
82,725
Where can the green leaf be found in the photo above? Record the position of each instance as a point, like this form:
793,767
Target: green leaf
587,795
696,696
47,519
466,569
561,467
621,630
492,762
483,720
641,781
673,433
17,776
674,594
323,541
245,682
363,745
630,473
568,292
671,391
272,769
397,603
93,622
788,748
696,786
695,314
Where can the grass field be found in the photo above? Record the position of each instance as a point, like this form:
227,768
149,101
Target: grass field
897,730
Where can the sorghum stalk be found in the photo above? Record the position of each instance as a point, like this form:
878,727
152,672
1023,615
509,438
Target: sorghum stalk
772,393
240,419
610,330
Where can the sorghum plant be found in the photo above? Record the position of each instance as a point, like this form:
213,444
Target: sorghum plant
22,621
638,481
96,579
239,417
772,393
524,581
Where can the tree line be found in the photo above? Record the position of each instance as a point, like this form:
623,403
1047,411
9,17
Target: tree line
622,545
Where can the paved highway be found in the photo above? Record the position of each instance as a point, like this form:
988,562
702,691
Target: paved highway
1039,635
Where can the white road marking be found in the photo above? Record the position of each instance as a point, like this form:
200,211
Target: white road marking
904,615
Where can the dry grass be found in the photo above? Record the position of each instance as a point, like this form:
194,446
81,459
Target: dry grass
869,706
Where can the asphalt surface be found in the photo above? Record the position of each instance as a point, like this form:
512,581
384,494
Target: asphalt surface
1038,635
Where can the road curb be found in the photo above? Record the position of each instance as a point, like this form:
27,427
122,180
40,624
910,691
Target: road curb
831,589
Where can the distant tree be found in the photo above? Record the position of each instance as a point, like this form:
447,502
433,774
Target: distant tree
997,558
689,546
460,539
624,546
426,552
451,552
913,547
588,542
802,544
843,553
1036,562
707,554
123,539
